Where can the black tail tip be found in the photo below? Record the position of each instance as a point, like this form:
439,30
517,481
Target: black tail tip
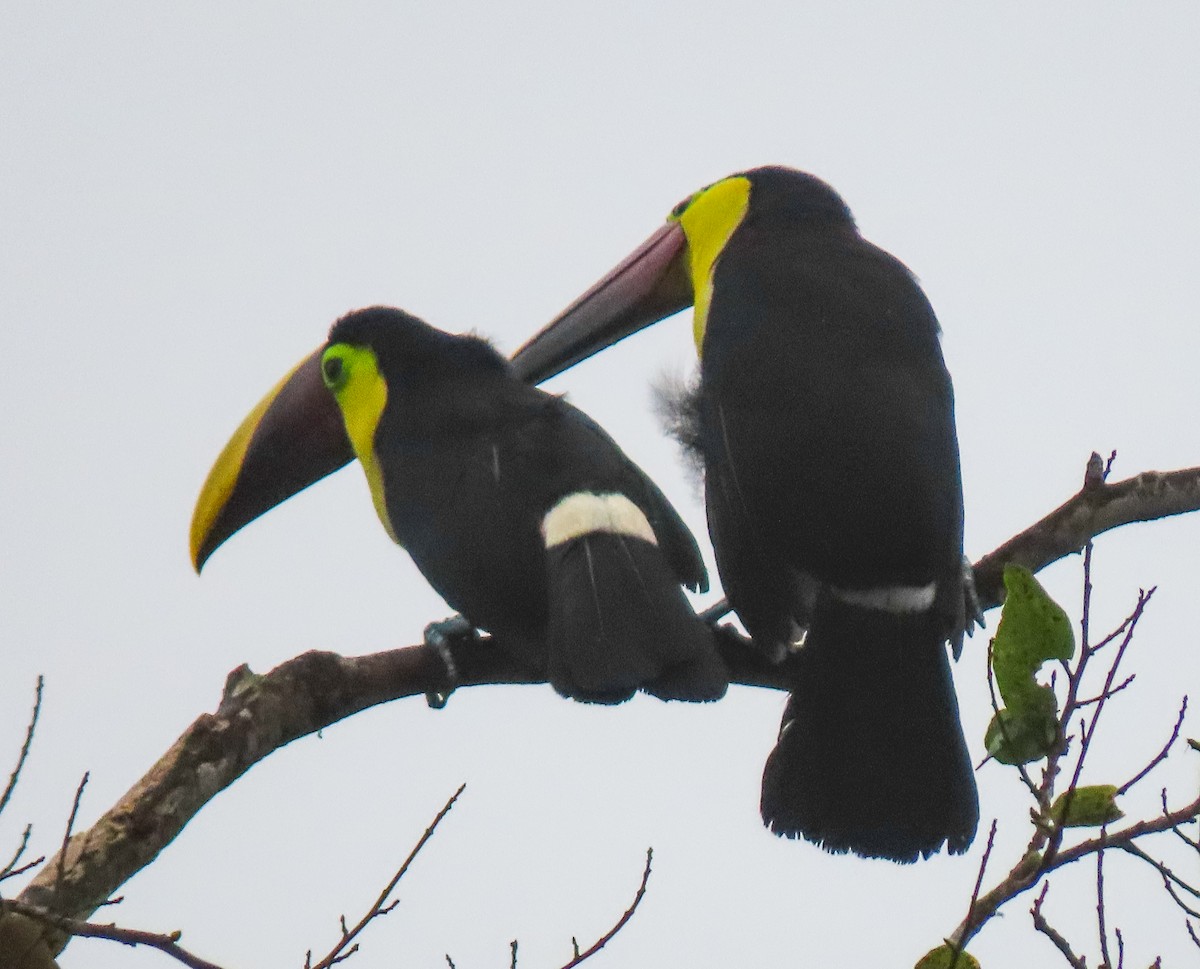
892,814
885,841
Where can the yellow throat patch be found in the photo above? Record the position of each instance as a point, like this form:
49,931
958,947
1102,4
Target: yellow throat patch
352,374
708,219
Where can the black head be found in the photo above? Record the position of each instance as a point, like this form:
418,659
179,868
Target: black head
796,194
405,345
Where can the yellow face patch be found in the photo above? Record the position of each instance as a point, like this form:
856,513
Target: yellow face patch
708,219
352,374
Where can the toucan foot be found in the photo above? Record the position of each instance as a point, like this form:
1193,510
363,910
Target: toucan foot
439,636
974,608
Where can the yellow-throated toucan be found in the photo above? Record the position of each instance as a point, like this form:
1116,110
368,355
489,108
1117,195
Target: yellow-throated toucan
521,511
824,417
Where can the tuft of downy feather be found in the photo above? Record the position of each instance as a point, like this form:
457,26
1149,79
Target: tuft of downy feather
677,404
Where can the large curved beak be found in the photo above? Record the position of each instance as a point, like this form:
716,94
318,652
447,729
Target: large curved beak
650,284
293,438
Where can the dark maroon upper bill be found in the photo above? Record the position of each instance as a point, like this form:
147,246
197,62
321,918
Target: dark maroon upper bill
648,285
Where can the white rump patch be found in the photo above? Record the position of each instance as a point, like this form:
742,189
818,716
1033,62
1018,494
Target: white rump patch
585,513
891,598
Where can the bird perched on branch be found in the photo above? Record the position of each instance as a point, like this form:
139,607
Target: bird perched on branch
824,418
520,510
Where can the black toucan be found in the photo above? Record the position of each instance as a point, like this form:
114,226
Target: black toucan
521,511
824,418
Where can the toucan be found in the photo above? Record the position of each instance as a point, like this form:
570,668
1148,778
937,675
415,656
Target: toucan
520,511
823,418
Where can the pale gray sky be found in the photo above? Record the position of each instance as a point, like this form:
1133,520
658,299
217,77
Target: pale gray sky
190,193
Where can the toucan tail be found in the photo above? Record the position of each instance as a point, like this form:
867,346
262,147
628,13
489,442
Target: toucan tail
618,620
871,757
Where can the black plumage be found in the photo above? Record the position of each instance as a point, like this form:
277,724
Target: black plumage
474,464
824,420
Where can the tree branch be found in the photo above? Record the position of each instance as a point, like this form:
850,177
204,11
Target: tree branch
1060,943
1097,508
164,942
343,947
24,754
620,923
259,714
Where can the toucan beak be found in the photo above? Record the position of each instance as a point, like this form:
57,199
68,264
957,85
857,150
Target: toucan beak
650,284
293,438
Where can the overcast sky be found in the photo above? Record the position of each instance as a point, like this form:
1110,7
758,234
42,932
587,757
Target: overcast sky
190,193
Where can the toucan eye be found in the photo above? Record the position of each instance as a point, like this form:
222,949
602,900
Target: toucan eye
331,370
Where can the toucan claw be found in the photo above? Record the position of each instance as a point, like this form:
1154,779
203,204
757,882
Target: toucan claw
439,636
973,607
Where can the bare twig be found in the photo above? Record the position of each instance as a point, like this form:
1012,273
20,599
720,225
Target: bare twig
1092,701
1162,754
21,758
620,924
1101,915
167,942
1070,707
380,907
1168,876
10,869
1060,943
60,868
1177,831
1143,599
959,946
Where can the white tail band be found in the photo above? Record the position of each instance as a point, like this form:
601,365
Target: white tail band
585,512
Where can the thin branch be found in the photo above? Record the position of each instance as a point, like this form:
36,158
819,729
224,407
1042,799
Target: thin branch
959,946
167,943
1166,873
1169,879
1092,701
620,924
1060,943
1162,754
1194,845
381,907
1101,918
10,869
23,756
60,868
1088,727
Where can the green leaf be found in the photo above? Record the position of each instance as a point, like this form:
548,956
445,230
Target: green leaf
1033,629
1087,807
1021,737
943,957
